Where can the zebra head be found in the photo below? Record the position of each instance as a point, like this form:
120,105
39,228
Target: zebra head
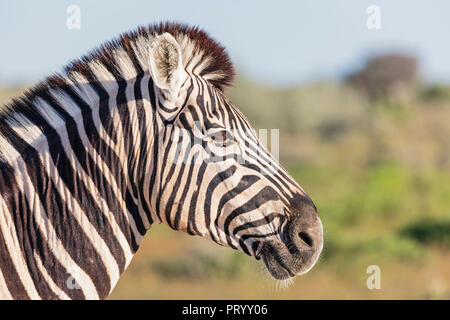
212,176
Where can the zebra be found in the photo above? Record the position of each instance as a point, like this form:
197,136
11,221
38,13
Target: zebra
137,132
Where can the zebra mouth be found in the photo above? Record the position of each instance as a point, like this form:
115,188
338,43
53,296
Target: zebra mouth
278,260
298,248
284,262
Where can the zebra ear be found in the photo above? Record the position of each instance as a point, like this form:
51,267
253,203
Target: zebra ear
166,65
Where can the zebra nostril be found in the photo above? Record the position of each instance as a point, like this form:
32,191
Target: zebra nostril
305,238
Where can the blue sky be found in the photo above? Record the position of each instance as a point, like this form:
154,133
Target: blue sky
274,42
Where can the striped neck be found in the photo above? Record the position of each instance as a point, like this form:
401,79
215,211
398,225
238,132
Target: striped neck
75,164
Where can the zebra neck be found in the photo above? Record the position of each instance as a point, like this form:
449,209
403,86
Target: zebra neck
73,206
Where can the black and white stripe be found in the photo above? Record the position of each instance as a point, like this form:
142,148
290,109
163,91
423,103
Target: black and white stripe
90,158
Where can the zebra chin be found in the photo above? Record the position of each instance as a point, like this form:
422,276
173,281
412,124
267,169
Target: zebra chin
297,253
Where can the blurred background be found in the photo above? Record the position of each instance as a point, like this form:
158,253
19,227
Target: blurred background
362,102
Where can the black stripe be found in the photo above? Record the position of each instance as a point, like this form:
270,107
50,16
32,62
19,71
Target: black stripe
173,194
80,190
218,179
163,180
32,241
103,108
263,196
255,246
86,161
257,223
12,279
192,226
17,204
245,183
143,156
66,227
122,107
180,207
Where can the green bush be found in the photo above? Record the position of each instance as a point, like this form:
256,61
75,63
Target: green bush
429,231
436,92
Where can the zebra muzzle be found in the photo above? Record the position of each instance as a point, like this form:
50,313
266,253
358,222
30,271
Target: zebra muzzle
298,252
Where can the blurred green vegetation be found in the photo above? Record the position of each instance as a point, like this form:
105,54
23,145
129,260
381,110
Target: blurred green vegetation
379,173
429,231
377,169
197,265
363,211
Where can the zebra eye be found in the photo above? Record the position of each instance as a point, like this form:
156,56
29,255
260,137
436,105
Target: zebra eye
222,138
